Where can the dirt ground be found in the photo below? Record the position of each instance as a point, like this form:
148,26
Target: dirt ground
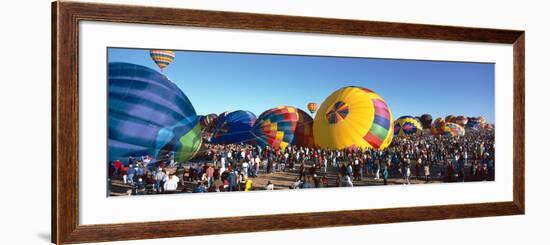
284,180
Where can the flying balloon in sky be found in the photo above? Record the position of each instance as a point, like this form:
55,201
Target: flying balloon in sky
312,107
162,58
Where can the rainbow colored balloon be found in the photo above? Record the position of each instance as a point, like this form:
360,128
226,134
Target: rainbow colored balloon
275,127
407,125
453,129
353,117
149,115
162,58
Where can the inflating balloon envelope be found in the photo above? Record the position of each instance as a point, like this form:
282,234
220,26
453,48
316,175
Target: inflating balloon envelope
149,115
353,117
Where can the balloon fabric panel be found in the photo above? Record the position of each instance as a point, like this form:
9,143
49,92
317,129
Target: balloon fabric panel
303,135
144,109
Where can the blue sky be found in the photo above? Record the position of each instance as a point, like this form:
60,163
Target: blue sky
217,82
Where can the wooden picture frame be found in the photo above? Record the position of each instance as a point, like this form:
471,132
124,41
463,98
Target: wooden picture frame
65,121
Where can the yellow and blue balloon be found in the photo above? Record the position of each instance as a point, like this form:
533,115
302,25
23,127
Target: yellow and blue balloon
407,125
353,117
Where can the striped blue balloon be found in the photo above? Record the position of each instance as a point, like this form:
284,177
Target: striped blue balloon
148,115
234,127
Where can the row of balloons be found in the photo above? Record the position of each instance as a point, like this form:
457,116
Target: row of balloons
450,125
469,122
150,115
279,127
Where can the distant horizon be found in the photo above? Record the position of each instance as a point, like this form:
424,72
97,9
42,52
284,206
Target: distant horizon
216,82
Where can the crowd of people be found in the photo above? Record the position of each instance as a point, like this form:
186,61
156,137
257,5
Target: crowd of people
234,167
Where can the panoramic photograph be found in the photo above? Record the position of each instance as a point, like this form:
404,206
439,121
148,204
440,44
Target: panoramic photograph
184,122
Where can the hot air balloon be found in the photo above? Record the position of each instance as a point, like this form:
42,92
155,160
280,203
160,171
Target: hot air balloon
234,127
312,107
406,125
461,120
207,121
453,129
223,114
303,136
482,121
275,127
472,123
449,118
162,58
438,126
475,123
426,121
353,117
149,115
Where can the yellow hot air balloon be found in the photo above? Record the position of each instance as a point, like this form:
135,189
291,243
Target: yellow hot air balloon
353,117
162,58
407,125
453,129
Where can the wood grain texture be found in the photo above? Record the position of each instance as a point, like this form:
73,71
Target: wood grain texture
65,121
519,123
65,124
54,123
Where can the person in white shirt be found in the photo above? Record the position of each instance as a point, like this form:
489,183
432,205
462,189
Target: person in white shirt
171,183
222,162
245,168
325,163
407,172
269,186
283,167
